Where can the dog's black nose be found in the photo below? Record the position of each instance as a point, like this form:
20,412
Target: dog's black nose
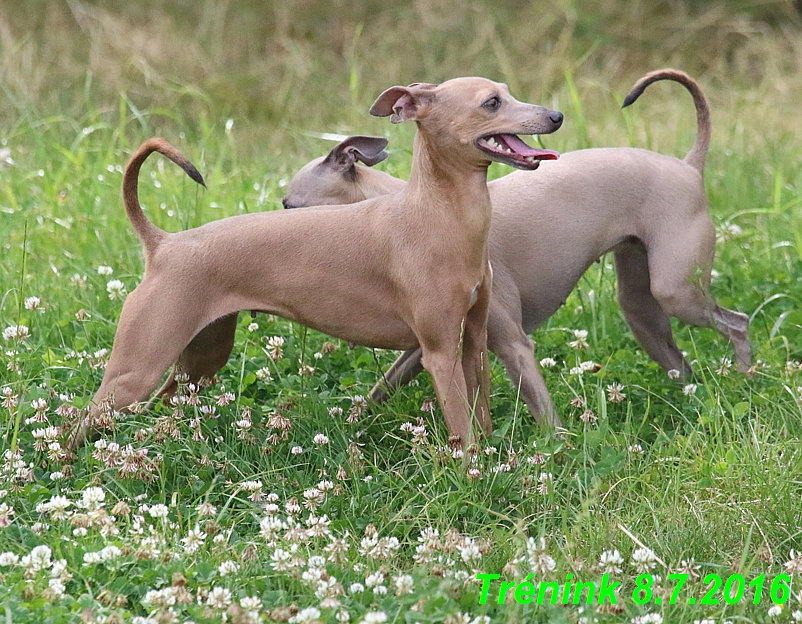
556,117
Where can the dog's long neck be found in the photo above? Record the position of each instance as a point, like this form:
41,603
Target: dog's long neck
442,182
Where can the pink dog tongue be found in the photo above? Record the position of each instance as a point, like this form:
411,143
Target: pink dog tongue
519,147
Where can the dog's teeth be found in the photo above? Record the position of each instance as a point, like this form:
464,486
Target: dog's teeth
492,142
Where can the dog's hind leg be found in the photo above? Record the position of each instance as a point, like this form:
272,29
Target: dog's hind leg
679,265
734,326
206,354
407,366
649,323
152,332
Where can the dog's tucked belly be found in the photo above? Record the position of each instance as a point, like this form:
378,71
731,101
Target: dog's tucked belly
360,326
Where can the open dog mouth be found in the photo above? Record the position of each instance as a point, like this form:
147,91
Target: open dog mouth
510,149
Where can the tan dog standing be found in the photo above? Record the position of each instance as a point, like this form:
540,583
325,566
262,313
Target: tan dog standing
650,210
398,271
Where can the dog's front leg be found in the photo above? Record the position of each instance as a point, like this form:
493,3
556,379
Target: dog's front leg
475,361
440,337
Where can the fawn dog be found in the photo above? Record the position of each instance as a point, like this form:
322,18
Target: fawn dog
649,209
397,271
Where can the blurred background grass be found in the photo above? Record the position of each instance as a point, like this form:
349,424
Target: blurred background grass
283,67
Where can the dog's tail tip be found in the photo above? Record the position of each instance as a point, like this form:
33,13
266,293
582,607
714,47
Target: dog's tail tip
631,97
193,173
696,157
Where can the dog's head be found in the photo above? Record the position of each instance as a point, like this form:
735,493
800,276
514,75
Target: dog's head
339,178
473,118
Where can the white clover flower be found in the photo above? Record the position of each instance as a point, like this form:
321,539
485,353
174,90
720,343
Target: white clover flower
335,412
56,507
8,559
275,348
116,290
374,617
32,303
539,559
325,485
206,509
673,374
548,362
104,270
614,393
469,551
228,567
320,439
110,553
253,327
159,598
38,559
643,560
16,332
225,398
193,540
372,580
250,603
264,374
57,587
297,450
404,584
775,611
731,230
159,511
689,389
581,341
545,483
356,588
219,598
610,562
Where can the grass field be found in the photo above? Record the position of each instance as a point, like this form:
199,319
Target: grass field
274,494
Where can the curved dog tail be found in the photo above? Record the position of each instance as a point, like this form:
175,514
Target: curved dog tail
698,154
149,234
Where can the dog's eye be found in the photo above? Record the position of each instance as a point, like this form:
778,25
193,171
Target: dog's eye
492,104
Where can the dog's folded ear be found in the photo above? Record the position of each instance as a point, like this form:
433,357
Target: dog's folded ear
404,103
365,149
